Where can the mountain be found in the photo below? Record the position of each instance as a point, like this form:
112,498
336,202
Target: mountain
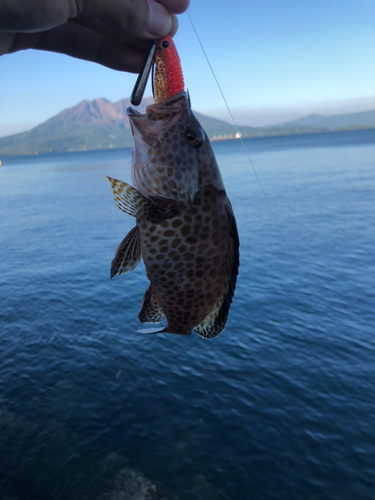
97,124
334,122
101,124
89,125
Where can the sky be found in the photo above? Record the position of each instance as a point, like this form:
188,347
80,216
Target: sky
274,61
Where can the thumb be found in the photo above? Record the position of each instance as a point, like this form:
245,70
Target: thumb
140,18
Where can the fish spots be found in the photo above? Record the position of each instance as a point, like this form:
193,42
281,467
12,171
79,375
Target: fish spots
185,230
192,240
212,273
200,261
169,233
176,242
216,260
216,238
176,223
178,266
202,248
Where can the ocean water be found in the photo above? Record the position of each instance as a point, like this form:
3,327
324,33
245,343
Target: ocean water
280,406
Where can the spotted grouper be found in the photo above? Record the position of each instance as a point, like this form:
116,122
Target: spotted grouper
185,227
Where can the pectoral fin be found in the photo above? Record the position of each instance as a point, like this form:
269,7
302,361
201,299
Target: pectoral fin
128,254
150,312
132,202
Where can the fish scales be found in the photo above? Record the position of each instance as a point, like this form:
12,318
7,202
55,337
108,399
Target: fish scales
185,227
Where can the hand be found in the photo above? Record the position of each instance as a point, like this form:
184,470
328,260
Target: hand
113,33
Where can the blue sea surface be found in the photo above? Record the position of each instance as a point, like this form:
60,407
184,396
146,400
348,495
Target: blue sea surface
281,405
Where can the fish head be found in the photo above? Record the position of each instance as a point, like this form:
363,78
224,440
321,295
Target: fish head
172,158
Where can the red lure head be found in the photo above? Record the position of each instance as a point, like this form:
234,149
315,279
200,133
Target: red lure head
168,80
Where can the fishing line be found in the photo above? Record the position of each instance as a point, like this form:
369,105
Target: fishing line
238,134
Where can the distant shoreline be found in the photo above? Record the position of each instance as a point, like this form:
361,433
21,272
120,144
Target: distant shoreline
258,136
213,139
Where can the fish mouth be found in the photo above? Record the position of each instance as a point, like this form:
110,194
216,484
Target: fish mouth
157,117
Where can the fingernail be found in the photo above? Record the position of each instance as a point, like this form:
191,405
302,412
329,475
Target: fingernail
160,21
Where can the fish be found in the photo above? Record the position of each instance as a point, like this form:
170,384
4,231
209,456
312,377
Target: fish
185,231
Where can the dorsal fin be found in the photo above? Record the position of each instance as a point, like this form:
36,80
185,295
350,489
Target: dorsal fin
128,254
150,312
133,203
215,321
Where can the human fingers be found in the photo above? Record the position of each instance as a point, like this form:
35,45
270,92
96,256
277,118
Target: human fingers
175,6
104,29
140,18
122,53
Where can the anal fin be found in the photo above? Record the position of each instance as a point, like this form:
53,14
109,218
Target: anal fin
128,254
150,312
132,202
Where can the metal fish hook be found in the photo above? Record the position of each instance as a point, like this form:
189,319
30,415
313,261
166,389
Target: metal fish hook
141,82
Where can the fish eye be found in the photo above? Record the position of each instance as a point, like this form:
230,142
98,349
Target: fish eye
165,44
194,137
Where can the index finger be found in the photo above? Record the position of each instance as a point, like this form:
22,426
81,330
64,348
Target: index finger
175,6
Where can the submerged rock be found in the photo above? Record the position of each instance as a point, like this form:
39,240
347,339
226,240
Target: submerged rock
129,484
